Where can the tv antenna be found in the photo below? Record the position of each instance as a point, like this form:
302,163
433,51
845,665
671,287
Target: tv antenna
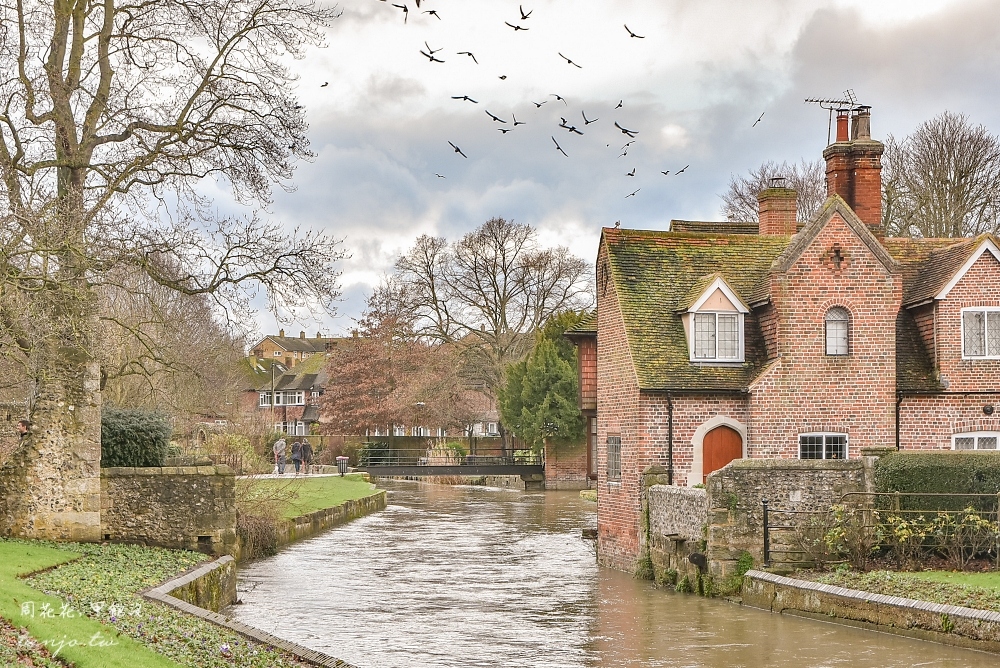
848,101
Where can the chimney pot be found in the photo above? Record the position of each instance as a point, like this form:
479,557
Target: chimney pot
319,335
854,168
281,333
862,128
302,335
842,125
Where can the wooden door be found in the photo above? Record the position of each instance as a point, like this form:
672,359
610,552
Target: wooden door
721,446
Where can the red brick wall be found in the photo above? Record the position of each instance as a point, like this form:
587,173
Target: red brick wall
566,466
618,503
586,350
977,288
924,317
809,391
928,422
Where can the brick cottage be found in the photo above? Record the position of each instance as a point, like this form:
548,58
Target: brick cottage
716,341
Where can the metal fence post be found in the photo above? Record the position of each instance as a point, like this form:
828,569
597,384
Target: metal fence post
767,538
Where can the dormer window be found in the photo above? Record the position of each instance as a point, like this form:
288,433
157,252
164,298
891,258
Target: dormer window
981,333
714,323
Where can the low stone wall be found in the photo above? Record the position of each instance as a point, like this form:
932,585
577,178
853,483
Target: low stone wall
211,586
948,624
192,508
305,526
678,519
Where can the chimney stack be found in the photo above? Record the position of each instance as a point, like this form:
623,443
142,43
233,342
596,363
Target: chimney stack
281,333
777,210
354,333
302,334
854,167
319,335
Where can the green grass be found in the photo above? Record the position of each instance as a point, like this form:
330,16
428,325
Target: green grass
77,638
309,494
970,590
984,580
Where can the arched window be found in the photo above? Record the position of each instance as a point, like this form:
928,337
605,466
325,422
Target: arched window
838,322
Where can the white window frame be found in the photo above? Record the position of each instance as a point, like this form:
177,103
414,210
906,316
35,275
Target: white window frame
491,428
977,435
298,398
985,310
826,331
265,399
277,353
739,333
825,435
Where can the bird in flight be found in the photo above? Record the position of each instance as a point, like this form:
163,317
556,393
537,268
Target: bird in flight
587,121
632,34
758,120
569,61
406,11
324,84
432,12
502,77
440,176
516,28
627,144
495,118
666,173
469,54
504,130
632,173
632,194
464,97
429,49
626,131
517,122
538,105
558,147
458,150
559,97
681,171
524,17
620,103
430,56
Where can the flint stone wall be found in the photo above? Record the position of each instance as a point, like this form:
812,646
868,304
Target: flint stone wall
186,507
677,520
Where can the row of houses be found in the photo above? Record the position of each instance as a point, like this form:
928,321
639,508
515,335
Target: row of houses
717,341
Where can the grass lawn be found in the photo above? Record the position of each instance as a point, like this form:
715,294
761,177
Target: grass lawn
311,493
970,590
984,580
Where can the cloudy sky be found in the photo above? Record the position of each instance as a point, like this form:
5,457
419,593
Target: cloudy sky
692,88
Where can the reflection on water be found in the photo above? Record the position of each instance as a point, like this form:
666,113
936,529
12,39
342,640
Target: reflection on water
463,576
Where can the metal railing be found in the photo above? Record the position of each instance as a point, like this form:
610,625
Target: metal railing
382,454
899,524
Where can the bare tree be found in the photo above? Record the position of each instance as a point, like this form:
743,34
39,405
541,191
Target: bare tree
943,180
110,114
488,292
739,203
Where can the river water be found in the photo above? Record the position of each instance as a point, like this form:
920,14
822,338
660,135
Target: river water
466,576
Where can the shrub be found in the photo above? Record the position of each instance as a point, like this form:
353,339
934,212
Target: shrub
133,437
855,533
940,473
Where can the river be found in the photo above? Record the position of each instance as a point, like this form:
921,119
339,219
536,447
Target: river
466,576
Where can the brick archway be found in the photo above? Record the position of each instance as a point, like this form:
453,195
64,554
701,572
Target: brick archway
697,473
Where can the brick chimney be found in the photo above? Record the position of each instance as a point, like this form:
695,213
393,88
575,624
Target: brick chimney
281,333
777,212
302,334
854,167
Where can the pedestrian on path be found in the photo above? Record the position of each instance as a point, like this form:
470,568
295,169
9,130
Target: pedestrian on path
279,456
297,456
307,456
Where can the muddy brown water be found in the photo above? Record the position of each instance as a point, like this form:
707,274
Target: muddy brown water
466,576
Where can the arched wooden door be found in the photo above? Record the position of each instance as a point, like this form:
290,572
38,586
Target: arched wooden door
721,446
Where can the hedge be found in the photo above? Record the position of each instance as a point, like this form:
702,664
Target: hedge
133,437
940,473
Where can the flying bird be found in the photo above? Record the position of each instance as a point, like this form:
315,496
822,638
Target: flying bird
632,173
758,120
627,144
495,118
464,97
502,77
558,147
324,84
572,128
681,171
587,121
569,61
429,49
632,34
517,122
666,173
440,176
524,17
458,150
516,28
469,54
620,102
632,194
505,130
432,12
538,105
406,11
559,97
626,131
430,57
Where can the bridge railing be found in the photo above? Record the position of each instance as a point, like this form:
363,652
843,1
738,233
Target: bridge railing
376,454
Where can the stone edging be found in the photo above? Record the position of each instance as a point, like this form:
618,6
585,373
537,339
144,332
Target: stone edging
938,622
161,594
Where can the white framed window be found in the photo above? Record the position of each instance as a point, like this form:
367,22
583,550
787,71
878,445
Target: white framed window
277,353
614,458
975,440
265,399
296,398
718,337
822,446
314,394
398,430
981,333
491,429
300,429
838,326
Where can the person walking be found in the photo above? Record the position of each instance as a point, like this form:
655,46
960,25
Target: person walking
279,455
297,456
307,456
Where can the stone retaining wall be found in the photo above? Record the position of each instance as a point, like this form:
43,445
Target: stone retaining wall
211,586
678,519
192,508
305,526
948,624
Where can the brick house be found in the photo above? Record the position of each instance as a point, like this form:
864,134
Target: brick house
716,341
290,350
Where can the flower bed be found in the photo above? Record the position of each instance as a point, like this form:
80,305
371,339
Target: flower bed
910,585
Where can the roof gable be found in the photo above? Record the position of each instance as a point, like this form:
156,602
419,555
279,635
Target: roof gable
717,282
987,245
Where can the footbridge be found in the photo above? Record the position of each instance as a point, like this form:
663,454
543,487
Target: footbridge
382,460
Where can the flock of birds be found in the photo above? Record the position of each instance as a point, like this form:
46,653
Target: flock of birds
431,54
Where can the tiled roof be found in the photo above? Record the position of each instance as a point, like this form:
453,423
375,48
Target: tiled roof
296,344
306,375
584,328
654,272
914,369
928,264
714,227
